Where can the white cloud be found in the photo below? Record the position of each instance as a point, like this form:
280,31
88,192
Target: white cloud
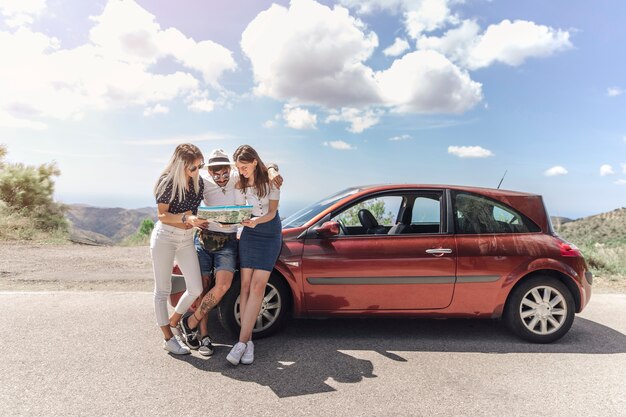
399,46
606,169
554,171
21,12
111,70
427,82
359,119
399,138
299,118
418,15
455,43
623,167
311,54
371,6
507,42
202,105
157,109
470,151
614,91
268,124
6,120
339,145
514,42
620,182
428,15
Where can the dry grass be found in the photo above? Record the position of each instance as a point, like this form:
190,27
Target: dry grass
18,228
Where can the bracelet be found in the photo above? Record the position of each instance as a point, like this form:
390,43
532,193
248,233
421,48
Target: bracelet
184,218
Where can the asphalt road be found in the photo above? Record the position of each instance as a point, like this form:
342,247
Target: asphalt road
99,353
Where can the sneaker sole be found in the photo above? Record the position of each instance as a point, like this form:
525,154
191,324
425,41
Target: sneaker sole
177,353
206,354
246,362
232,360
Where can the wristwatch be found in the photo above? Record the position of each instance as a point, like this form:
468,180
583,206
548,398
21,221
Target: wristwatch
184,218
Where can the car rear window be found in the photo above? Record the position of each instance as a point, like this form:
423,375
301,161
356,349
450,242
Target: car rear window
476,214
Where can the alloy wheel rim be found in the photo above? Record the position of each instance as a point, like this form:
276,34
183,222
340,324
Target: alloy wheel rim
543,310
270,309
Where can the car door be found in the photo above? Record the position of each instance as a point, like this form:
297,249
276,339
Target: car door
401,265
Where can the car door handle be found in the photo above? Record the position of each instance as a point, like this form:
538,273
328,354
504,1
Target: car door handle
439,251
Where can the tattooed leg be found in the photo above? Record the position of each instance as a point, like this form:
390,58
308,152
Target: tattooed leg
208,302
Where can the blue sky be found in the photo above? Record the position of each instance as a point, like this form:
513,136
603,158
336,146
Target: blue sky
338,93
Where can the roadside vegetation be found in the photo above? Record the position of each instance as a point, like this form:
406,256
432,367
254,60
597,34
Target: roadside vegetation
142,236
28,211
602,239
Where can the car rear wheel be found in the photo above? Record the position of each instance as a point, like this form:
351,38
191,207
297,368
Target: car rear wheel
540,310
274,309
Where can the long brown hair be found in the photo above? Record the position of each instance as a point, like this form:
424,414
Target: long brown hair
247,154
184,156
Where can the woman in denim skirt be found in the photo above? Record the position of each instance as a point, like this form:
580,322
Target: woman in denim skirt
259,245
178,194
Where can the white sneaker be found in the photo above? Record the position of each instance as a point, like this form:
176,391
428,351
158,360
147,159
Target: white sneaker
236,353
175,346
248,354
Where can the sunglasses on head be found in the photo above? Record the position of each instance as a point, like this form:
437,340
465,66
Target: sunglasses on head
193,168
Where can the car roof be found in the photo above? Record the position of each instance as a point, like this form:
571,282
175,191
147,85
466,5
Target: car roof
479,190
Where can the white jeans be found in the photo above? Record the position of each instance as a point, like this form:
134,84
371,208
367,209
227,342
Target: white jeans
166,244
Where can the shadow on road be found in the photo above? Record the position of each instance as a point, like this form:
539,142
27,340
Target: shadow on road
299,360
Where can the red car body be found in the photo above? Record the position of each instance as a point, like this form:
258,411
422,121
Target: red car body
507,258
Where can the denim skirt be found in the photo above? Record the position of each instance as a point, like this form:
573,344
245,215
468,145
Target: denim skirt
259,246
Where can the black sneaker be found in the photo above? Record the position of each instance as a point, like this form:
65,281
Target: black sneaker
189,335
206,347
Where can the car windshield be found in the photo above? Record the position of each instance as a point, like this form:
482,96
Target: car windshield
300,217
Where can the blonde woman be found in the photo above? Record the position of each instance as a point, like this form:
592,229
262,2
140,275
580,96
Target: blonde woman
178,194
259,245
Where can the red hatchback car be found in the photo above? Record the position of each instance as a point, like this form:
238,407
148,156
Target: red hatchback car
423,251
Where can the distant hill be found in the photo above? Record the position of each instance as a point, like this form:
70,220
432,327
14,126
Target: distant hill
108,226
559,221
105,226
602,228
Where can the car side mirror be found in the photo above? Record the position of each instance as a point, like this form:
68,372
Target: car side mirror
328,229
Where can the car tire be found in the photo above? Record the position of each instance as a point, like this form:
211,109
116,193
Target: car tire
540,310
276,307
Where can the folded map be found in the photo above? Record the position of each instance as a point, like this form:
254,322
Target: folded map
225,214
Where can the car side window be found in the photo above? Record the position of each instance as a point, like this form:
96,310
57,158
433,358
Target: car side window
426,215
474,214
372,216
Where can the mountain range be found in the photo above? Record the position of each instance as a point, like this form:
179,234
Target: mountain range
110,226
105,226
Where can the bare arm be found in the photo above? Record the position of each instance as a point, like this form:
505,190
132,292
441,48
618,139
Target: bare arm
273,209
165,217
275,178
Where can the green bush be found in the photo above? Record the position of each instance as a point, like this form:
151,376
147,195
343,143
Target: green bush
27,203
142,237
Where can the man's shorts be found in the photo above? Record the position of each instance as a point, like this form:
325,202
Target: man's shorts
224,259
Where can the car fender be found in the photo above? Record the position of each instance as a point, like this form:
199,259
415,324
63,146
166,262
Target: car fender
288,271
527,269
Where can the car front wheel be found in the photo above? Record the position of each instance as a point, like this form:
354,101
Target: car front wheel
540,310
274,308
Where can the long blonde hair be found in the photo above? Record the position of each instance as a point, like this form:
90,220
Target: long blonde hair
184,156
